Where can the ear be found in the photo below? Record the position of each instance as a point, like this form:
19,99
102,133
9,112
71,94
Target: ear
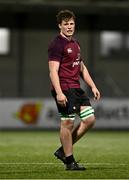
59,25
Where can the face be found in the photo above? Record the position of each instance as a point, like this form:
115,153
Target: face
67,28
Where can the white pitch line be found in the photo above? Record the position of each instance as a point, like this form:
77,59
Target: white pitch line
51,163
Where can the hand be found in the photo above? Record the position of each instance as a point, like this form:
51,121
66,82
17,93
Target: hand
61,99
96,93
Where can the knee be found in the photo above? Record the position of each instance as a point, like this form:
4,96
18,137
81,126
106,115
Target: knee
93,120
90,121
67,124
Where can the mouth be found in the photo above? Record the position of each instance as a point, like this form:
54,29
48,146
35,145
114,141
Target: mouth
69,31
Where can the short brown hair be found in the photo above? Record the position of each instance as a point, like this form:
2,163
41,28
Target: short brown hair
64,15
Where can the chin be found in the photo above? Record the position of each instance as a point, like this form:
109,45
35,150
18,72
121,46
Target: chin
68,35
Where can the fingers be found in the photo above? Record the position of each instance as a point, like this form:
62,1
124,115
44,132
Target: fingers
65,102
62,102
97,96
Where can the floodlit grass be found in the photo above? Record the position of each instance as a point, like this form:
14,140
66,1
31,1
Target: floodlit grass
29,155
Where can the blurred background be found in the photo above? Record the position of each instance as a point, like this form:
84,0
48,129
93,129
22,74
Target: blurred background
26,29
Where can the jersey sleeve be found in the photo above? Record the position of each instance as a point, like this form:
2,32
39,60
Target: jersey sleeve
55,51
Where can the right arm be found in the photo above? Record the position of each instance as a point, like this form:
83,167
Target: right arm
53,69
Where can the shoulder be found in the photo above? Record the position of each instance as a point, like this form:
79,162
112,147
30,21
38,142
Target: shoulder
55,42
56,48
76,41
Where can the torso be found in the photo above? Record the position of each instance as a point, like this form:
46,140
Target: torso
68,54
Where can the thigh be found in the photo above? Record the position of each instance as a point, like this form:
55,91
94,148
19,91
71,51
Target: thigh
77,98
84,99
61,109
86,112
65,112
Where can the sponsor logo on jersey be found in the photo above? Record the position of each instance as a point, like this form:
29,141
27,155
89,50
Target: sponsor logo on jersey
76,63
69,50
78,57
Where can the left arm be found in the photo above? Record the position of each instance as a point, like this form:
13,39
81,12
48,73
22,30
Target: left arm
87,79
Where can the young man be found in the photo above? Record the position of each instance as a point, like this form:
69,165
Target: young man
66,67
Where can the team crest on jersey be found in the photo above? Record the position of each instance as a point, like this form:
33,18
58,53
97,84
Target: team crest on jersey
69,50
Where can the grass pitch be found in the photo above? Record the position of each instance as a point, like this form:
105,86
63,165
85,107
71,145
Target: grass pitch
29,155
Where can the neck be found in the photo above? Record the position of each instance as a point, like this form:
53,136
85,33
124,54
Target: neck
67,37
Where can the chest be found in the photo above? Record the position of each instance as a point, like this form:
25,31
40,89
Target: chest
71,52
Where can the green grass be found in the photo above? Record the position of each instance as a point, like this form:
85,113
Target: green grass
29,155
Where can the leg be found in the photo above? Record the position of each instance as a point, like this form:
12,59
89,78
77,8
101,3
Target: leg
66,136
66,127
65,152
87,121
86,124
67,144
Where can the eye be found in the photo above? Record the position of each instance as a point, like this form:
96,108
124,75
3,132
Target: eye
65,24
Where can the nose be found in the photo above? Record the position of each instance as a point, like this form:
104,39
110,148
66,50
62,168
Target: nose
69,27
